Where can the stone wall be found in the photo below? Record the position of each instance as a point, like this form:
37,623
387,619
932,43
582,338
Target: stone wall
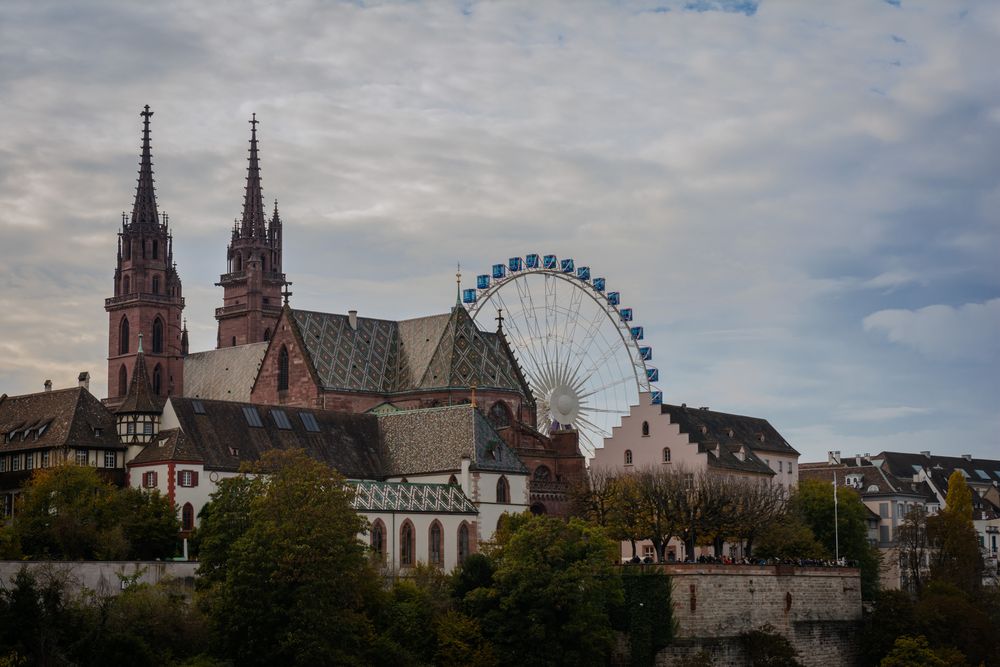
817,609
105,577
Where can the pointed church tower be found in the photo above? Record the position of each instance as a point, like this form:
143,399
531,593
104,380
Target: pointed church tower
147,296
253,282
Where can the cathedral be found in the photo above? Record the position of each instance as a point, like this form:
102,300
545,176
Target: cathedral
430,418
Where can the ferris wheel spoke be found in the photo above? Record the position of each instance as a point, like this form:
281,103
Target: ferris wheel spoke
603,411
607,386
595,427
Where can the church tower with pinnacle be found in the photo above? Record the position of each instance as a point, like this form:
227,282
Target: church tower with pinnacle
147,299
253,283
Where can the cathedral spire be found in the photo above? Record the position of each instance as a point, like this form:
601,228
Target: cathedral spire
144,208
253,201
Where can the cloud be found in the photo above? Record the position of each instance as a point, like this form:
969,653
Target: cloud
878,414
969,331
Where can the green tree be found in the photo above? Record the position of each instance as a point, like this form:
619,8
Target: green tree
891,617
955,553
788,536
68,512
294,586
912,652
813,502
551,592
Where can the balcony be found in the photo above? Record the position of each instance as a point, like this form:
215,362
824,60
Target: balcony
236,276
135,297
237,308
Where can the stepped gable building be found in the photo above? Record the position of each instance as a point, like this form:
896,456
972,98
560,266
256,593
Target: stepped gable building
147,293
51,427
253,282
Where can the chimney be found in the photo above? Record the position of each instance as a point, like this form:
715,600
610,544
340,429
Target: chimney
833,458
857,460
48,385
84,380
352,318
926,454
967,457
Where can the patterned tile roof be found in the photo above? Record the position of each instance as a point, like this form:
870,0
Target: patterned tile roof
436,440
410,497
381,356
226,374
65,417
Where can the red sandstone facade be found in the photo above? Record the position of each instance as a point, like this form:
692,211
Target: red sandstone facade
147,303
253,282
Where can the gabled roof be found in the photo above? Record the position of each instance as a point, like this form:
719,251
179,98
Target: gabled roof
139,397
702,425
384,357
220,433
168,445
436,440
225,374
410,497
65,417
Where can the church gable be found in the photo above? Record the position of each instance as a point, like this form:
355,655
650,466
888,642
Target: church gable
286,372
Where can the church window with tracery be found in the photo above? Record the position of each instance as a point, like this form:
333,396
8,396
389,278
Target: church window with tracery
436,554
122,381
123,336
157,335
406,547
503,491
499,415
157,380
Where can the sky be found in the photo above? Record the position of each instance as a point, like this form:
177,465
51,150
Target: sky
799,199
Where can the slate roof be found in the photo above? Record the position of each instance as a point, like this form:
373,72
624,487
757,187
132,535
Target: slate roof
409,497
724,435
224,438
436,439
874,480
139,397
226,374
169,445
382,356
69,417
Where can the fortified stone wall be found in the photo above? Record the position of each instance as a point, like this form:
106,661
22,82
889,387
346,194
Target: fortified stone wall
817,609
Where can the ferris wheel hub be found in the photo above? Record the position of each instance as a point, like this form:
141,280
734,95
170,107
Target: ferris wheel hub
564,404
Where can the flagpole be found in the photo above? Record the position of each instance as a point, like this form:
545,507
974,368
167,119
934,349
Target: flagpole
836,523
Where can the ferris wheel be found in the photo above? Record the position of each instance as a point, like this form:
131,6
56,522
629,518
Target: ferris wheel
577,345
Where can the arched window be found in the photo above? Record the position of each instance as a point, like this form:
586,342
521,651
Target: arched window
628,457
503,491
263,264
453,480
406,547
378,538
436,549
123,336
542,474
156,249
122,381
283,369
156,284
463,542
666,455
157,380
157,335
499,415
645,429
239,262
126,285
267,335
187,517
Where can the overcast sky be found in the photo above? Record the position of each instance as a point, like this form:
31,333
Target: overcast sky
801,200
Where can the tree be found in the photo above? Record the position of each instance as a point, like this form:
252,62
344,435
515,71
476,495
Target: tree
788,536
913,548
813,501
67,512
955,554
912,652
293,586
551,592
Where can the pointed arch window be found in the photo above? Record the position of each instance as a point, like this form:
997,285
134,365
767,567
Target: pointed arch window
157,335
157,380
126,285
436,550
503,491
122,381
453,481
187,517
156,284
123,336
156,249
500,415
239,262
283,369
628,457
542,474
406,544
378,538
267,335
645,429
463,542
